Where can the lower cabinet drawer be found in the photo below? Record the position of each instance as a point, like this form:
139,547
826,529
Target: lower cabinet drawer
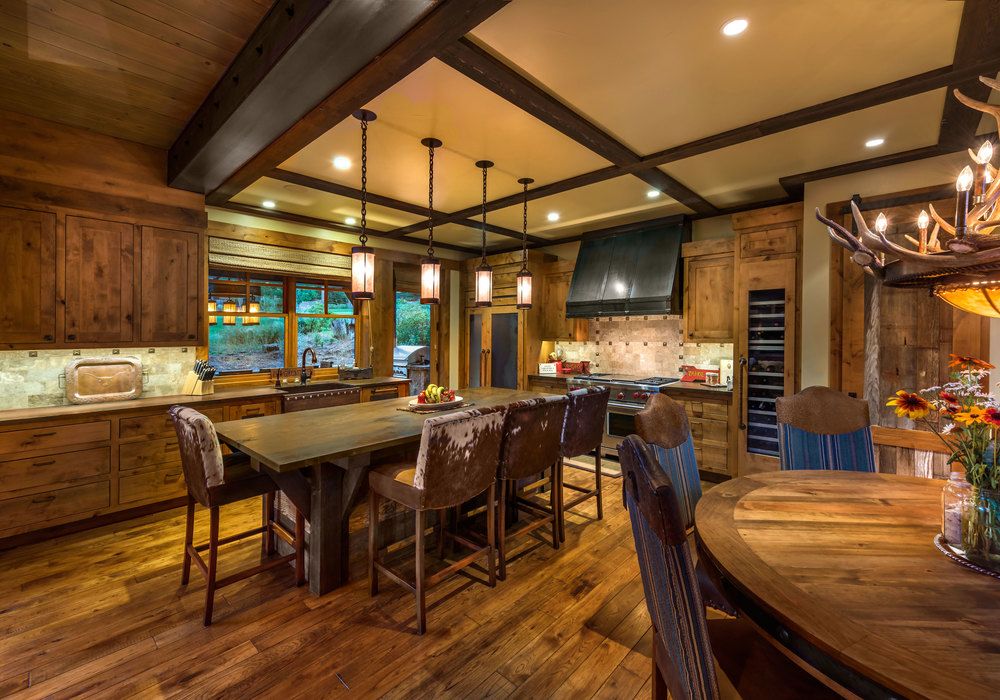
715,459
51,505
161,424
45,437
160,484
54,469
252,410
147,453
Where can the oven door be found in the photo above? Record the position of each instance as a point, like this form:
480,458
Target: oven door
619,424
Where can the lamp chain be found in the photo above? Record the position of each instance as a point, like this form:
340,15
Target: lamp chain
484,214
430,204
524,231
364,181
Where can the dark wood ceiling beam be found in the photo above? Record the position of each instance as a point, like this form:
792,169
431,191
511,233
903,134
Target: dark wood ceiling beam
323,223
388,202
479,65
352,52
978,39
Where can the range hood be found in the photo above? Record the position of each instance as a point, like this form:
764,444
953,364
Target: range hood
630,273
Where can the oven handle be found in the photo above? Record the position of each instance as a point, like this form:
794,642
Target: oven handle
626,408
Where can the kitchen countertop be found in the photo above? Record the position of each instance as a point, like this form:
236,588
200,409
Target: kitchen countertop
696,389
560,375
23,415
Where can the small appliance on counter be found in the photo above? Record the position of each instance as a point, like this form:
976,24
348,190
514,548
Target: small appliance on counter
102,379
199,381
354,372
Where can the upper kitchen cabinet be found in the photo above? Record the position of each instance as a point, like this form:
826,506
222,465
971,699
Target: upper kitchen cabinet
709,274
172,295
555,289
100,289
27,277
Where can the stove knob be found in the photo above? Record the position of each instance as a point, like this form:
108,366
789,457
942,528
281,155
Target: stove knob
621,395
636,395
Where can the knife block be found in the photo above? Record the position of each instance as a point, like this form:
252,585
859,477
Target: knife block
189,381
203,387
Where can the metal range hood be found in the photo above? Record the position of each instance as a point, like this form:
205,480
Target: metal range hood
630,272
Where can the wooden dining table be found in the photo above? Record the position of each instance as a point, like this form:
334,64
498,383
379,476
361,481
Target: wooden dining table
841,569
320,460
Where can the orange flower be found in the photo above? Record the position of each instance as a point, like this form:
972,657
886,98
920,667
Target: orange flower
973,414
912,406
967,362
992,417
949,398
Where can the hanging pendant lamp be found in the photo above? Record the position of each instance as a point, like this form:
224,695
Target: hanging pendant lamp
363,257
484,273
430,267
524,275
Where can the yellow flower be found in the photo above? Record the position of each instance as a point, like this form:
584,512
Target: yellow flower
974,414
907,405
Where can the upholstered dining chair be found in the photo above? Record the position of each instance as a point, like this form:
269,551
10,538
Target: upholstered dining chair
214,481
583,431
694,657
457,461
820,428
532,432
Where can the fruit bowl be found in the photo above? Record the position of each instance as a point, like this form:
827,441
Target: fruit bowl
440,406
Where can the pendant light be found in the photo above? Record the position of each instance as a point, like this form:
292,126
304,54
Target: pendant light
229,306
484,273
363,257
524,276
430,267
213,306
254,308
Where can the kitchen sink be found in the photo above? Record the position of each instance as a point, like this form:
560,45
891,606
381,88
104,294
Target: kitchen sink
315,386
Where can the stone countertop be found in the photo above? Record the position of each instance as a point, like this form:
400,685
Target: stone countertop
697,389
560,375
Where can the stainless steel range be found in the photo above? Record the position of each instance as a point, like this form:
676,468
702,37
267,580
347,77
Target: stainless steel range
628,397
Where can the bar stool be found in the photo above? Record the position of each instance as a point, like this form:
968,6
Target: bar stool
583,431
214,481
457,461
532,432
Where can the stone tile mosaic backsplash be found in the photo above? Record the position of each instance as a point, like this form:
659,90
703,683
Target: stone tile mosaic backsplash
28,381
642,345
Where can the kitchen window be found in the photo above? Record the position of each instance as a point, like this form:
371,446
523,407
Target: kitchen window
259,321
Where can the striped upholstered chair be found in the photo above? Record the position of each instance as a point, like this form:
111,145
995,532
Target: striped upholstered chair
820,428
663,425
694,657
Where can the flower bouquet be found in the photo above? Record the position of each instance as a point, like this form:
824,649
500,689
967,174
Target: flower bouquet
967,420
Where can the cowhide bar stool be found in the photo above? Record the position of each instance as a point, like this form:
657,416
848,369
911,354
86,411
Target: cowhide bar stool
457,462
532,431
214,481
583,430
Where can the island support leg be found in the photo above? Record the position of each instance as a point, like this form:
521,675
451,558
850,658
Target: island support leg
335,490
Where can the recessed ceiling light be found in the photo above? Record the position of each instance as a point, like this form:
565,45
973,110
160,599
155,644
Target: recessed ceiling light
874,143
342,163
350,221
268,204
735,27
552,216
653,194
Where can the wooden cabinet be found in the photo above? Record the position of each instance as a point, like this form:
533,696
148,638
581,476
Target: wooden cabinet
555,289
709,272
548,385
493,342
172,286
27,277
99,296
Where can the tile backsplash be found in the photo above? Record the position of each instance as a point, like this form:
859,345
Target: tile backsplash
641,345
28,381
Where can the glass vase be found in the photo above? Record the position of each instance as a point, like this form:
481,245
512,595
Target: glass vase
954,504
981,528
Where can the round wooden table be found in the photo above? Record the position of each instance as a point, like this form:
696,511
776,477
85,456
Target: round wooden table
841,568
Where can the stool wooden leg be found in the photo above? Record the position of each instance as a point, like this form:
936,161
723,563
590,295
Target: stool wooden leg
300,548
660,691
213,557
597,476
372,541
501,533
554,502
188,542
267,541
419,575
562,498
442,516
491,533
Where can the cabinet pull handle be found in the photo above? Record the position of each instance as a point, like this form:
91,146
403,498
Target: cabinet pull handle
742,391
44,499
41,435
71,336
46,337
190,336
43,464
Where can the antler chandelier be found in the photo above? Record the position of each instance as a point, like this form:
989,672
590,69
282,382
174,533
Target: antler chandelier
959,261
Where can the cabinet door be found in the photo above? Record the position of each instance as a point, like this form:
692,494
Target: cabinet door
477,334
170,286
99,284
27,276
708,299
502,352
555,325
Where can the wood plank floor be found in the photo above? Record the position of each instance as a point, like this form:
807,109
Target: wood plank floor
102,614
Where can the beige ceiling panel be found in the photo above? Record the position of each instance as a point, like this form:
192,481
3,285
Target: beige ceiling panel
657,74
472,122
750,171
461,235
295,199
620,199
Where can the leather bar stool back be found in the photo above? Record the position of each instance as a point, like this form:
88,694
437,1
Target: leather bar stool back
583,432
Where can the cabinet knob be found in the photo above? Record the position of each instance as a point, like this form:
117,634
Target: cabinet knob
47,337
190,336
71,336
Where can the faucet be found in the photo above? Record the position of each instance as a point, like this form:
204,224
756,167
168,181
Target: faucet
305,375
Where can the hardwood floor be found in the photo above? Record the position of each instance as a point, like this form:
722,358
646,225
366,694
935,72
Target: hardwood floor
102,614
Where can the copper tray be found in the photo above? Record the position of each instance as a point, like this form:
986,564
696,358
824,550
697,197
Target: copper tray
101,379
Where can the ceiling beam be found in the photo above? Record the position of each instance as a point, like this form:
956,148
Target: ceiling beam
978,39
352,52
388,202
479,65
328,225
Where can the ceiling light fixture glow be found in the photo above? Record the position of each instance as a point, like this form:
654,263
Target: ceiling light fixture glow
342,163
735,27
268,204
552,216
350,221
653,194
874,143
